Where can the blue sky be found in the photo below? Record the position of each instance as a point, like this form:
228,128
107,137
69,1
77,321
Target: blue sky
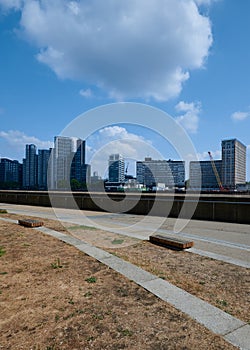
189,58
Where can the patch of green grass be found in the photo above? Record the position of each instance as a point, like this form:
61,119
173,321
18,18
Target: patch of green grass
117,241
3,273
91,279
57,264
222,302
98,316
125,332
3,211
2,251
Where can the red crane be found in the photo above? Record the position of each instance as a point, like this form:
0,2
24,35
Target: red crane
216,172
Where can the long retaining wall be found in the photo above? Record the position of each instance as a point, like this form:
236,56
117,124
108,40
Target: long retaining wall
227,208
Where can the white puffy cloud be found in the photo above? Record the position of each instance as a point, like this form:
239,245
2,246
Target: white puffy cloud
240,116
189,117
18,139
128,48
116,139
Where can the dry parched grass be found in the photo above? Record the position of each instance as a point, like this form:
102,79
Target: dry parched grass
55,297
224,285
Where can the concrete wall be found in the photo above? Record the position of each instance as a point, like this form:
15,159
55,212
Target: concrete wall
228,208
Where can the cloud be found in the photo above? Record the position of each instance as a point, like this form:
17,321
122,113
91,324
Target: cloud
205,2
116,139
240,116
127,48
86,93
189,118
11,4
18,139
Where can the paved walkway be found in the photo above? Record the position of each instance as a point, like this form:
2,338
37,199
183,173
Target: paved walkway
222,241
230,328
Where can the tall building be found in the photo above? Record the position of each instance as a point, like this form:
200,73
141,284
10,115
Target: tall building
233,163
152,172
61,162
10,173
116,168
78,171
42,168
30,167
202,176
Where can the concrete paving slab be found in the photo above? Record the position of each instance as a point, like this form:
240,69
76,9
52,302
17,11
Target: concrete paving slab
9,220
240,337
95,252
128,270
71,240
210,316
52,233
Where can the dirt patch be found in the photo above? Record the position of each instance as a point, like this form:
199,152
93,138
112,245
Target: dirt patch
55,297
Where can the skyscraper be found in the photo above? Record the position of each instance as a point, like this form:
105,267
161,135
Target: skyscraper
116,168
60,164
30,167
42,168
233,163
78,161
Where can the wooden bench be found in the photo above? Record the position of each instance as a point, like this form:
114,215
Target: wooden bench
30,223
171,242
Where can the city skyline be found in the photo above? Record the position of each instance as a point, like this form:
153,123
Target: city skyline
49,77
66,160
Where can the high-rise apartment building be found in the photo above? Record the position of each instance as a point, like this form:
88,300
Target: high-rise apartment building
30,167
10,173
78,162
152,172
60,164
202,176
42,168
67,162
116,168
233,163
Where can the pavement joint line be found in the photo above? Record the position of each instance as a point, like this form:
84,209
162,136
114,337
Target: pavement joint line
230,328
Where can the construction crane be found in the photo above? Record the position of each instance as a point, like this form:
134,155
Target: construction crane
126,170
216,172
